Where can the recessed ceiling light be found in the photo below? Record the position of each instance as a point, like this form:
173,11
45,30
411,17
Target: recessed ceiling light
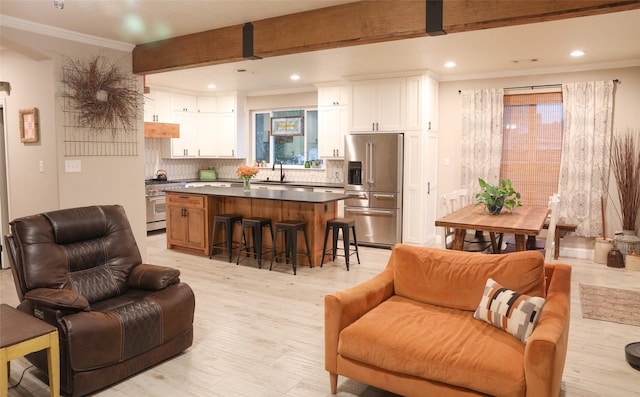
450,64
295,77
212,86
577,53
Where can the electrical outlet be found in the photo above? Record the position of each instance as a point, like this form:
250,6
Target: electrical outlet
72,166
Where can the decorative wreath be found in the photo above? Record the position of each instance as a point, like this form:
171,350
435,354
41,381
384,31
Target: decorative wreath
104,97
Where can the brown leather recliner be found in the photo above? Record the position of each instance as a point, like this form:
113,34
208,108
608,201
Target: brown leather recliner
80,270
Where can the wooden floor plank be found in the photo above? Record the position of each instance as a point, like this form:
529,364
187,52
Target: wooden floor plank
260,333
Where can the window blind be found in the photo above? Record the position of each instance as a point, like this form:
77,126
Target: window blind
532,145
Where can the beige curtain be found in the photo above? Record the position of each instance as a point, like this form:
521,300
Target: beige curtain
584,168
481,136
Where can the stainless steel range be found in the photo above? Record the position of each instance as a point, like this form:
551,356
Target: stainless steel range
156,201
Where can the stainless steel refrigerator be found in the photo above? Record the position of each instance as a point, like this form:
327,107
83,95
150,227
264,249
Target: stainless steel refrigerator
373,169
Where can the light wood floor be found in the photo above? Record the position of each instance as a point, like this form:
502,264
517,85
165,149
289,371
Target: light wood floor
260,333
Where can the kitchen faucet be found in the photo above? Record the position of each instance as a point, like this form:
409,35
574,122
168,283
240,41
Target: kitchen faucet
274,168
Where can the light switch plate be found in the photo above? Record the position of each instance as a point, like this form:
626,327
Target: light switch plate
72,166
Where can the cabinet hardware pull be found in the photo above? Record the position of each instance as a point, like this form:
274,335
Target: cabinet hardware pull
428,187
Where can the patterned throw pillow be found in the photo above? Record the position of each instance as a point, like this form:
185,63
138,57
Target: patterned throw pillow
508,310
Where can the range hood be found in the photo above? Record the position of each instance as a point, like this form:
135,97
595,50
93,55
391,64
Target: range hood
161,130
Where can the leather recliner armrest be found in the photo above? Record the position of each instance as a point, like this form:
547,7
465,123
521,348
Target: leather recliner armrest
152,277
59,299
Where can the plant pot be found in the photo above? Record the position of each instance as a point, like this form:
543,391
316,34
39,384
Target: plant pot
628,242
601,249
632,262
495,208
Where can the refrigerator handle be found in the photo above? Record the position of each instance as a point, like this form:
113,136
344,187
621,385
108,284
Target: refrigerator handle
371,180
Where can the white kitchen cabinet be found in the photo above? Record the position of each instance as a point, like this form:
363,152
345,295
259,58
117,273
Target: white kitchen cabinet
431,97
157,107
206,133
184,103
378,105
333,95
207,104
420,199
333,125
209,134
421,103
333,120
187,145
227,103
227,135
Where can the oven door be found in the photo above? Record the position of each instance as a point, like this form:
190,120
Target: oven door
156,212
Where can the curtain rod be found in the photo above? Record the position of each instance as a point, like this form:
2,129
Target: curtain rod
615,81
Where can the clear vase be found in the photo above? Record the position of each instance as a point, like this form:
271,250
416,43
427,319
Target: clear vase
246,185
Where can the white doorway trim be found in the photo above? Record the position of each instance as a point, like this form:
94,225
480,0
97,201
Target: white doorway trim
4,183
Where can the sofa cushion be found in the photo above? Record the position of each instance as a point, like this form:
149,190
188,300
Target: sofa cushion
436,343
457,279
508,310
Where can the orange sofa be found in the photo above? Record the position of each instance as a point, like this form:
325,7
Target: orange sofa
411,330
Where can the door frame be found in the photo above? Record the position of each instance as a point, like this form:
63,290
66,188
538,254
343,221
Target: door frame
4,182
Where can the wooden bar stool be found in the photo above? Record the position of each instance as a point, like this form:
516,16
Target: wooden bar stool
336,225
227,221
290,228
255,225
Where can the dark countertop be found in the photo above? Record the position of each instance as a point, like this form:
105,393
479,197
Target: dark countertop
261,182
282,195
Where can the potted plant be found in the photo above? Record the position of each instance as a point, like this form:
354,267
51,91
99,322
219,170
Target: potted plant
496,197
625,161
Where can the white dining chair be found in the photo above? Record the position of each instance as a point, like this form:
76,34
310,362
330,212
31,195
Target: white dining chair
473,242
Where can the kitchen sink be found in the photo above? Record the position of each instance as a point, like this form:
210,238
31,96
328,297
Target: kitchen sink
275,182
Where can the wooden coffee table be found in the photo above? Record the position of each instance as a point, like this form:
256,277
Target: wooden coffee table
21,334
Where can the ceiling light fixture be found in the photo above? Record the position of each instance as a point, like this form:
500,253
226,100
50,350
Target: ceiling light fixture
450,64
577,53
59,4
295,77
212,86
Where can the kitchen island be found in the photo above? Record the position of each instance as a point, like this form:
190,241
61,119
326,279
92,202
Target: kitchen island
190,213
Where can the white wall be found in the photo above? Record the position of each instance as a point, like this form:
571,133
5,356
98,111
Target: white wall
31,63
626,114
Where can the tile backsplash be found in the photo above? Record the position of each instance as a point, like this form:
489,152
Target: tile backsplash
226,168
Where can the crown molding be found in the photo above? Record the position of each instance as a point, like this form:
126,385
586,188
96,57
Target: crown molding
51,31
544,71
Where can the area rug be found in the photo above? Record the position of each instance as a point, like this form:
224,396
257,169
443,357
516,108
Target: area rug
610,304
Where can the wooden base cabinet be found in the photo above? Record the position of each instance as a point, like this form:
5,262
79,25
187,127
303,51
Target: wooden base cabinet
187,222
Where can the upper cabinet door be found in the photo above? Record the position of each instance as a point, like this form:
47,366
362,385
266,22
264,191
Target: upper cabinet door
378,105
157,107
207,104
333,96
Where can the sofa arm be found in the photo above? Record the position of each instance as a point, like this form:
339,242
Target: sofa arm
546,349
58,299
344,308
152,277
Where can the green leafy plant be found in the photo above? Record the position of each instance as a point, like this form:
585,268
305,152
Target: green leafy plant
496,197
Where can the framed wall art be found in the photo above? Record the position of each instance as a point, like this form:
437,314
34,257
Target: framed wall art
29,125
286,126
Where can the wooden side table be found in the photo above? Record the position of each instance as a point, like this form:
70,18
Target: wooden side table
21,334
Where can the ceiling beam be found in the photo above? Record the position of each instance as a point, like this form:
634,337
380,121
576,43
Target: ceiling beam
355,23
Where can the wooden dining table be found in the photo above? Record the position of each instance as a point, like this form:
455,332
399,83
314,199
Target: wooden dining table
522,222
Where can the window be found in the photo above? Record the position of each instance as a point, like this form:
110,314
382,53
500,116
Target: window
532,145
290,150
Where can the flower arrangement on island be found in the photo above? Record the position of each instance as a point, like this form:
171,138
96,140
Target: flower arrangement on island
246,172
